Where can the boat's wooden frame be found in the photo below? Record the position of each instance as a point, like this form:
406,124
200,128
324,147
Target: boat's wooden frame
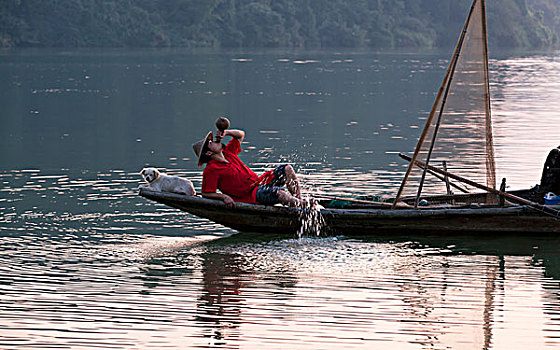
366,221
376,218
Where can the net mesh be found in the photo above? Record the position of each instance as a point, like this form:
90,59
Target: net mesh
458,130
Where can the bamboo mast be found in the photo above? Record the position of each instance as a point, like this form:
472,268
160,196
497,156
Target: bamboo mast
490,161
443,88
442,107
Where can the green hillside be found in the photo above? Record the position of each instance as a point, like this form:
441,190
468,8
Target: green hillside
269,23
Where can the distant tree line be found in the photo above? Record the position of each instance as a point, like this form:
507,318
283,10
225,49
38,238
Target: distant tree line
269,23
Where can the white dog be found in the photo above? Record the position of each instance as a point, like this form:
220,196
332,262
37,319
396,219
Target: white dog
157,181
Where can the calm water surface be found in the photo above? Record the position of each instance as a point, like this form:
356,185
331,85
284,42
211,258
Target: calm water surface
86,263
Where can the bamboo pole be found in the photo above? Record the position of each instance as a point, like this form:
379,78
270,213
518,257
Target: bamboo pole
447,182
362,201
539,207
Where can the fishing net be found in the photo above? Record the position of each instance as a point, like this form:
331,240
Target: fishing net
458,130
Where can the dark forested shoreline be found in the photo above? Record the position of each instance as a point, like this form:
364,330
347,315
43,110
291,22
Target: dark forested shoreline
270,23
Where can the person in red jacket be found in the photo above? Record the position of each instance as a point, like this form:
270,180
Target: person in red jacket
224,171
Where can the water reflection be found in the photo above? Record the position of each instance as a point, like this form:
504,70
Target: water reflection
221,303
419,289
85,262
248,290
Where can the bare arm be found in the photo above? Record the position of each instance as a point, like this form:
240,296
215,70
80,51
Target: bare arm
236,134
220,196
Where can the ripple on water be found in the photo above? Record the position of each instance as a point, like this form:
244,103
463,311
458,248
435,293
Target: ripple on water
85,263
90,206
112,280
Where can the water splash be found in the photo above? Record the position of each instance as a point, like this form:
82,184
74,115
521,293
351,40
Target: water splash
312,222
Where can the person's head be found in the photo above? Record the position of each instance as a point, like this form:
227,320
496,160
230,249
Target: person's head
214,148
206,148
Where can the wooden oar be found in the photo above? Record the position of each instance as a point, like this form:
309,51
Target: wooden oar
362,201
539,207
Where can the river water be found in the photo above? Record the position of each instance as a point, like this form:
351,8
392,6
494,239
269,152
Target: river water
87,263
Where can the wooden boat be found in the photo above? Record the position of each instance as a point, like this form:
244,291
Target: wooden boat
470,213
364,219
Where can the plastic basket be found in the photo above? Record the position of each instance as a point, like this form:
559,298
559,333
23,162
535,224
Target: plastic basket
551,199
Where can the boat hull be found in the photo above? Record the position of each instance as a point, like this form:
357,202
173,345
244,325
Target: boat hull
275,219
